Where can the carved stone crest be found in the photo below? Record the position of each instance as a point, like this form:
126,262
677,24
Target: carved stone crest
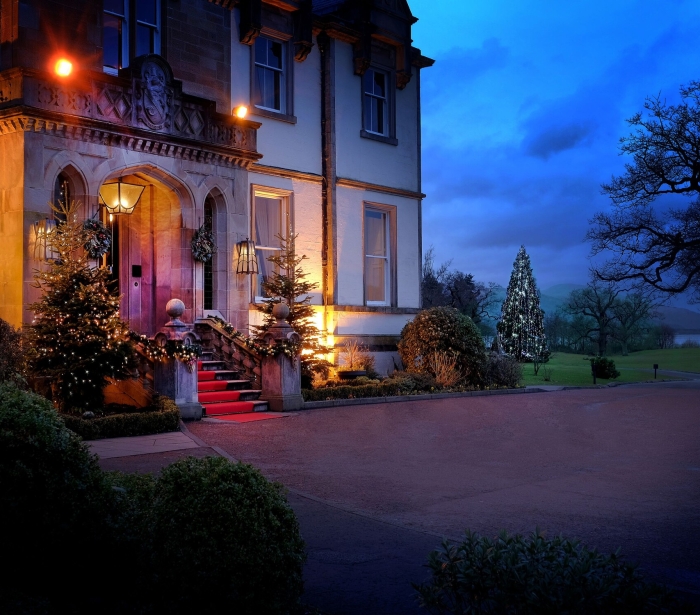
153,93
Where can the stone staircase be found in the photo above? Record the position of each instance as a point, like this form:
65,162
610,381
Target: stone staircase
222,391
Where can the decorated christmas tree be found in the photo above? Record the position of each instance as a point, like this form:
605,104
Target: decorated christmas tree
521,328
288,282
77,335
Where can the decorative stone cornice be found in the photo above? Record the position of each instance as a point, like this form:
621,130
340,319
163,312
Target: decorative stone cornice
28,120
143,109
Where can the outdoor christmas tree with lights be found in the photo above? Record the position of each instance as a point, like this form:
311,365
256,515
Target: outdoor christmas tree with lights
521,328
288,283
78,337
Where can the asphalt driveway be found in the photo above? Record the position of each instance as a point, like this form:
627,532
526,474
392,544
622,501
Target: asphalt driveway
376,487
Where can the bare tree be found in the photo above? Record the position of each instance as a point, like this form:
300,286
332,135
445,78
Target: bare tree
652,249
594,303
632,315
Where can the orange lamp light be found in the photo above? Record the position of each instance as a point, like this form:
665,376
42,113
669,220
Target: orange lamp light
240,111
63,67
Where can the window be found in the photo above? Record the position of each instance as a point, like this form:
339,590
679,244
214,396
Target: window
375,104
141,18
270,221
269,87
62,196
378,265
378,102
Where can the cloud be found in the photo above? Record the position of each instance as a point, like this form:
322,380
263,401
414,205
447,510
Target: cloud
556,139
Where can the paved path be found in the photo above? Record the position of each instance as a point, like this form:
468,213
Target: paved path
376,487
141,445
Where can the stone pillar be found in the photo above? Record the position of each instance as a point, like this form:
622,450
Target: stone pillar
281,375
172,377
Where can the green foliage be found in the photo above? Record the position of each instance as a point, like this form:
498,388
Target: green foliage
521,328
13,355
513,575
162,417
55,508
400,383
207,536
221,537
288,284
604,368
502,370
443,329
77,335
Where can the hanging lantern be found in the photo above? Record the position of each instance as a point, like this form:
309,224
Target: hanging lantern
120,197
43,230
247,260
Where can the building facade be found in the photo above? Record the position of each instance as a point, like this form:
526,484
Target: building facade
329,150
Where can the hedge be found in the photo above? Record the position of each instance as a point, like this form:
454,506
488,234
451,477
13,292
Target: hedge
164,417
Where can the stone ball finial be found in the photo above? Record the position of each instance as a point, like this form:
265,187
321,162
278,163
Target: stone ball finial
280,311
175,308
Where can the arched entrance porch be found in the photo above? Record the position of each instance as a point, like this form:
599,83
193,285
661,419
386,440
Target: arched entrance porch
150,259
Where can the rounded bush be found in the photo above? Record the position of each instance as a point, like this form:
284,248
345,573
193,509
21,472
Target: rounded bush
443,329
55,508
502,370
524,576
224,538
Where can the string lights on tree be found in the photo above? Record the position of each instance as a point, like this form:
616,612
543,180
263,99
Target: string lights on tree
78,336
521,328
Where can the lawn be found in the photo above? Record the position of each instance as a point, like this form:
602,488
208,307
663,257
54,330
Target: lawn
575,369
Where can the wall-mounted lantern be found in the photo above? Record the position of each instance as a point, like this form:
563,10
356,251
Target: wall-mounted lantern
121,198
43,229
246,259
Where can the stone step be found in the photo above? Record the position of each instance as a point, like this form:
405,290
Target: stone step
217,374
214,397
207,366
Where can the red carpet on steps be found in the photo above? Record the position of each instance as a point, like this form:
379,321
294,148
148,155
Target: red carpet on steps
248,418
231,407
210,396
206,375
213,385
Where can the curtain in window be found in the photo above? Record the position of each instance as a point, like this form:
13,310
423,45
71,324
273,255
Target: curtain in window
376,262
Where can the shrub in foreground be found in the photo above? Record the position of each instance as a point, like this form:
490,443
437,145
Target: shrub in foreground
13,354
223,538
55,510
443,330
513,575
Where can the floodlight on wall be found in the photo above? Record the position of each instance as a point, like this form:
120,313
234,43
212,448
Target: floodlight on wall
43,229
120,198
246,259
63,67
240,111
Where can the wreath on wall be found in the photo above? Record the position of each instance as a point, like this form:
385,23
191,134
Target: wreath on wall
203,245
99,239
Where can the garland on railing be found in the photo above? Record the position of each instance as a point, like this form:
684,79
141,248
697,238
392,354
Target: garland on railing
287,347
173,349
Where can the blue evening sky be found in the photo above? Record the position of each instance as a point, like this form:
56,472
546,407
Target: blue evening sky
522,114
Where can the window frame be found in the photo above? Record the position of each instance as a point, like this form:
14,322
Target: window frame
389,211
286,198
286,114
130,25
390,106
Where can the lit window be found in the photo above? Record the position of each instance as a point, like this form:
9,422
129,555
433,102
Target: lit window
269,82
271,221
131,28
377,251
376,118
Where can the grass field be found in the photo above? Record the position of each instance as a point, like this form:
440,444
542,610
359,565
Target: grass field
575,369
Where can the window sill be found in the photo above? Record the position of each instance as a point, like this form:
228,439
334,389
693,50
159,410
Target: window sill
274,115
381,138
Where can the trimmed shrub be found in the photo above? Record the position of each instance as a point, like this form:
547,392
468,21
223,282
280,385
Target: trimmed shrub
13,356
223,538
502,370
604,368
55,511
443,329
514,575
387,388
164,416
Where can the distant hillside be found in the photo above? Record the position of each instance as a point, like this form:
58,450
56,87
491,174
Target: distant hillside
680,319
561,291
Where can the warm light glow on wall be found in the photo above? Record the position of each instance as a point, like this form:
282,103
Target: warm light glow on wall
240,111
63,67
